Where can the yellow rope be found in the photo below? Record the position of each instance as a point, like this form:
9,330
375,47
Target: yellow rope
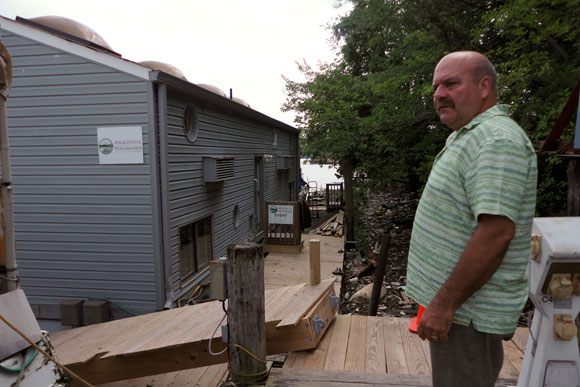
250,353
75,376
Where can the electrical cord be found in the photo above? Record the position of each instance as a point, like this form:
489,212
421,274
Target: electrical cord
211,339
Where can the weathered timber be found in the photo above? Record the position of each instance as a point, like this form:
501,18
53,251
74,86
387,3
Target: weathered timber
286,377
314,261
246,311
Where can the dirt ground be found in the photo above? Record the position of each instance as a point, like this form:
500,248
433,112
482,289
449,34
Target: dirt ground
391,212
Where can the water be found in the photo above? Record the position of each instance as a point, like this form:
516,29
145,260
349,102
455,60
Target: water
322,174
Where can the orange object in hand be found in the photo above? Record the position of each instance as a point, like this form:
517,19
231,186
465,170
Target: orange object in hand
414,324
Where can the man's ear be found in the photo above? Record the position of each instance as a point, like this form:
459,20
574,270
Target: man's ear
485,86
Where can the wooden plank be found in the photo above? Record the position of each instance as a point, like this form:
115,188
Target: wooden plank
416,361
395,352
314,359
213,375
520,338
356,349
14,307
284,377
515,357
278,308
338,344
375,346
303,300
427,350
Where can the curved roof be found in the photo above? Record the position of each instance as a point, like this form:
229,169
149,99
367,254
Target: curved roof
161,66
213,89
71,27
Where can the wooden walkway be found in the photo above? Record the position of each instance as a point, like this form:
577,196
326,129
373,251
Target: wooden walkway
379,346
290,269
178,339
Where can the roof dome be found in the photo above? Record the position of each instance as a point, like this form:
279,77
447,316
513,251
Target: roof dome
73,28
241,101
167,68
212,88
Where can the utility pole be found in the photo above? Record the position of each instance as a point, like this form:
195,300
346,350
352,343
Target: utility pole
8,268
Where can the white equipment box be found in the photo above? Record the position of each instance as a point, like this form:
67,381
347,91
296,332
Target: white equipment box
552,358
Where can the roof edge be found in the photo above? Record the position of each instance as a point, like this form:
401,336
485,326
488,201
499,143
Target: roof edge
74,47
193,90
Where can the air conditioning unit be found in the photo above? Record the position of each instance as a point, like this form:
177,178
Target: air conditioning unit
283,162
217,169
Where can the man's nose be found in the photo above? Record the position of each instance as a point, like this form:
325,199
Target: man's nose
440,92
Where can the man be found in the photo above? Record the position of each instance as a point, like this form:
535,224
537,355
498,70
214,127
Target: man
471,235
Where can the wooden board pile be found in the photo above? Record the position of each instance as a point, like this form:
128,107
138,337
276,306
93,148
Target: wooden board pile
333,226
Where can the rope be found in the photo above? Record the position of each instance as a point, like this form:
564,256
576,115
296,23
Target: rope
75,376
250,353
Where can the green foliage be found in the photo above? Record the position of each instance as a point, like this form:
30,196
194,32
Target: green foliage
374,107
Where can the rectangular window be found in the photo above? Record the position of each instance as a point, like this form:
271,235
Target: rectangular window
195,247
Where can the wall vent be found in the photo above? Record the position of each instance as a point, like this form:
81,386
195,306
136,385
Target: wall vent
216,169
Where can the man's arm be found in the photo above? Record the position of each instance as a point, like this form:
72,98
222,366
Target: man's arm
480,259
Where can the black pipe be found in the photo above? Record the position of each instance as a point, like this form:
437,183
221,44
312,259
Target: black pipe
379,274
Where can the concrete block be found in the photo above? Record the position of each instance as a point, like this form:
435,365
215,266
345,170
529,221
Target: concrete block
71,312
95,311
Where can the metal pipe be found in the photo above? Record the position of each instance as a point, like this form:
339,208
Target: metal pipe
379,274
6,191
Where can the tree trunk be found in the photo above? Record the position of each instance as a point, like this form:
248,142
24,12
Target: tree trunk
574,187
347,169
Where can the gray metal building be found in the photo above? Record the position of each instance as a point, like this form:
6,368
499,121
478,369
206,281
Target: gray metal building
139,232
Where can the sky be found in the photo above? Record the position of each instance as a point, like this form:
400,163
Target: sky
245,45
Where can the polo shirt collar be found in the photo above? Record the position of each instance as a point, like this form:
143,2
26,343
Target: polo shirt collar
496,110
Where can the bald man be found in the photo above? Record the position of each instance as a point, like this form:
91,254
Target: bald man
471,234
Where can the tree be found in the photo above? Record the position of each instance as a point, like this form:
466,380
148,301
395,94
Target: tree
378,100
330,108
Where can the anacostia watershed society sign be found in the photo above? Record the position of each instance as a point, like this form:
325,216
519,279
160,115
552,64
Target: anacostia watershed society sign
120,145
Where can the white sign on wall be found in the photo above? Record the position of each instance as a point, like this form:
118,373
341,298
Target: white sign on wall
120,145
280,214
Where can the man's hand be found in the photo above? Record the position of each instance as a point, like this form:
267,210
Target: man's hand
435,323
479,261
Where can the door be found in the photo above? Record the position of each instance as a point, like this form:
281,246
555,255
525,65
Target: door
257,224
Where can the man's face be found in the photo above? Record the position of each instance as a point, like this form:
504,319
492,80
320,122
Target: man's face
457,98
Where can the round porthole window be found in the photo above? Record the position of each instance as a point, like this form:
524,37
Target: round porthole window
190,124
236,216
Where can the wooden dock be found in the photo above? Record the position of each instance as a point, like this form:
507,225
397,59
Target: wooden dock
380,346
178,339
289,269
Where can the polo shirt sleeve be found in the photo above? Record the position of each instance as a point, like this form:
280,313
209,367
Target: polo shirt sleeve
496,178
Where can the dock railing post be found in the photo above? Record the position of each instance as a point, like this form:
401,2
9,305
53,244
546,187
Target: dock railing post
246,313
314,261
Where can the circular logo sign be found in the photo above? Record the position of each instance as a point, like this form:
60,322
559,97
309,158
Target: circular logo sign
106,146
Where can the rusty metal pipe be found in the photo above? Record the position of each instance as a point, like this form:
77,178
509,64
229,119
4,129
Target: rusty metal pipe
379,274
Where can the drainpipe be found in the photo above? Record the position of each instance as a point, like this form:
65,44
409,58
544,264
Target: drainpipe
8,256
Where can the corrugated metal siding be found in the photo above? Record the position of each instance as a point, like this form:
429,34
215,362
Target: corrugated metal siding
189,200
82,229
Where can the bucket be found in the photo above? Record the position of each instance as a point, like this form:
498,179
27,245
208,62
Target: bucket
351,245
414,324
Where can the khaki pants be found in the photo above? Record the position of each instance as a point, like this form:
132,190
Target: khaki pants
469,358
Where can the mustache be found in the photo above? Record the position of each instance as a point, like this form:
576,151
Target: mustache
445,102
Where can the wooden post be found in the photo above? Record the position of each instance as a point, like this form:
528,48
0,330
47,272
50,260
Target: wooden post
314,261
573,187
379,274
246,312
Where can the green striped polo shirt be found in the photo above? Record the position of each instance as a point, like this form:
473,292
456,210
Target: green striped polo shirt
486,167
